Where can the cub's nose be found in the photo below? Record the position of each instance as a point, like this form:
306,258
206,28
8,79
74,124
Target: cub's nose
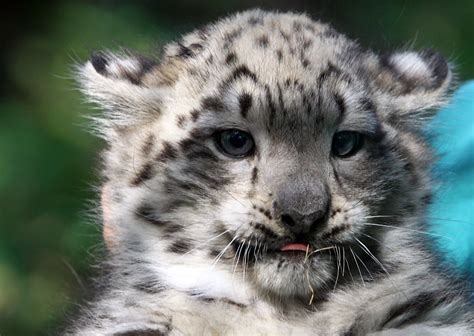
301,224
302,204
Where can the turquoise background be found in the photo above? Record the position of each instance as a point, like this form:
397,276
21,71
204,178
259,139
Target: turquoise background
452,213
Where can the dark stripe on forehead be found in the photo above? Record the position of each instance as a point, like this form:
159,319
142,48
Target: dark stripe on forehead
212,104
341,105
245,102
271,106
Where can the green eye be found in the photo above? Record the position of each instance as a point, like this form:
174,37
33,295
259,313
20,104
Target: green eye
235,143
347,143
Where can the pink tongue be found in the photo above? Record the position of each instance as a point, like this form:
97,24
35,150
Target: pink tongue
295,247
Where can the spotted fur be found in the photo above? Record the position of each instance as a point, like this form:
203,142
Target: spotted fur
194,238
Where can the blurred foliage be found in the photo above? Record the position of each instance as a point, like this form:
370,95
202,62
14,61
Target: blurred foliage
47,158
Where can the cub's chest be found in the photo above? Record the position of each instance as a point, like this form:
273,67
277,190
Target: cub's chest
228,318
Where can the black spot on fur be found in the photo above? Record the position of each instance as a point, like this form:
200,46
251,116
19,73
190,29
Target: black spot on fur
427,199
307,43
243,71
180,246
181,121
168,152
172,228
204,154
304,62
271,106
212,103
148,286
184,51
413,309
148,213
280,263
214,253
297,26
245,102
210,178
265,230
187,144
255,20
254,175
148,145
340,105
367,104
279,54
280,99
262,41
231,58
335,231
195,115
99,62
143,175
229,37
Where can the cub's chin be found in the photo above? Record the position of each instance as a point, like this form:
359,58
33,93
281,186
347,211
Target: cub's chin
293,275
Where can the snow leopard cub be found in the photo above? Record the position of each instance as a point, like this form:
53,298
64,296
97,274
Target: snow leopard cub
268,177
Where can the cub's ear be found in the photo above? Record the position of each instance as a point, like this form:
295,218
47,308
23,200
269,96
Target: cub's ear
410,85
128,88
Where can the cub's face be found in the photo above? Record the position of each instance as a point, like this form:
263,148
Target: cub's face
266,151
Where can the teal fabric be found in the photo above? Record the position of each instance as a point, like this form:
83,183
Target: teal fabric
452,213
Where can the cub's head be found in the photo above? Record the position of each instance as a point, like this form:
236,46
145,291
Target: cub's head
264,154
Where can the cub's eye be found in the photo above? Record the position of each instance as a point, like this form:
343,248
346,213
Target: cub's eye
235,143
346,143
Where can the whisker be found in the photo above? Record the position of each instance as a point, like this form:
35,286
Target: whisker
207,241
343,259
358,268
219,256
376,240
338,266
408,229
365,266
374,258
349,268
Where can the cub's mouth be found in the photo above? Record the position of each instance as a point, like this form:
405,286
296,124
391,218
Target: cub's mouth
292,251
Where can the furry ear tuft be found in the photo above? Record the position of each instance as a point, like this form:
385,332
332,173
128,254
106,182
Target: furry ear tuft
409,85
120,86
417,70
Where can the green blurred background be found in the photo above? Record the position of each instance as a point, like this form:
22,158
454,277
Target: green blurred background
48,160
